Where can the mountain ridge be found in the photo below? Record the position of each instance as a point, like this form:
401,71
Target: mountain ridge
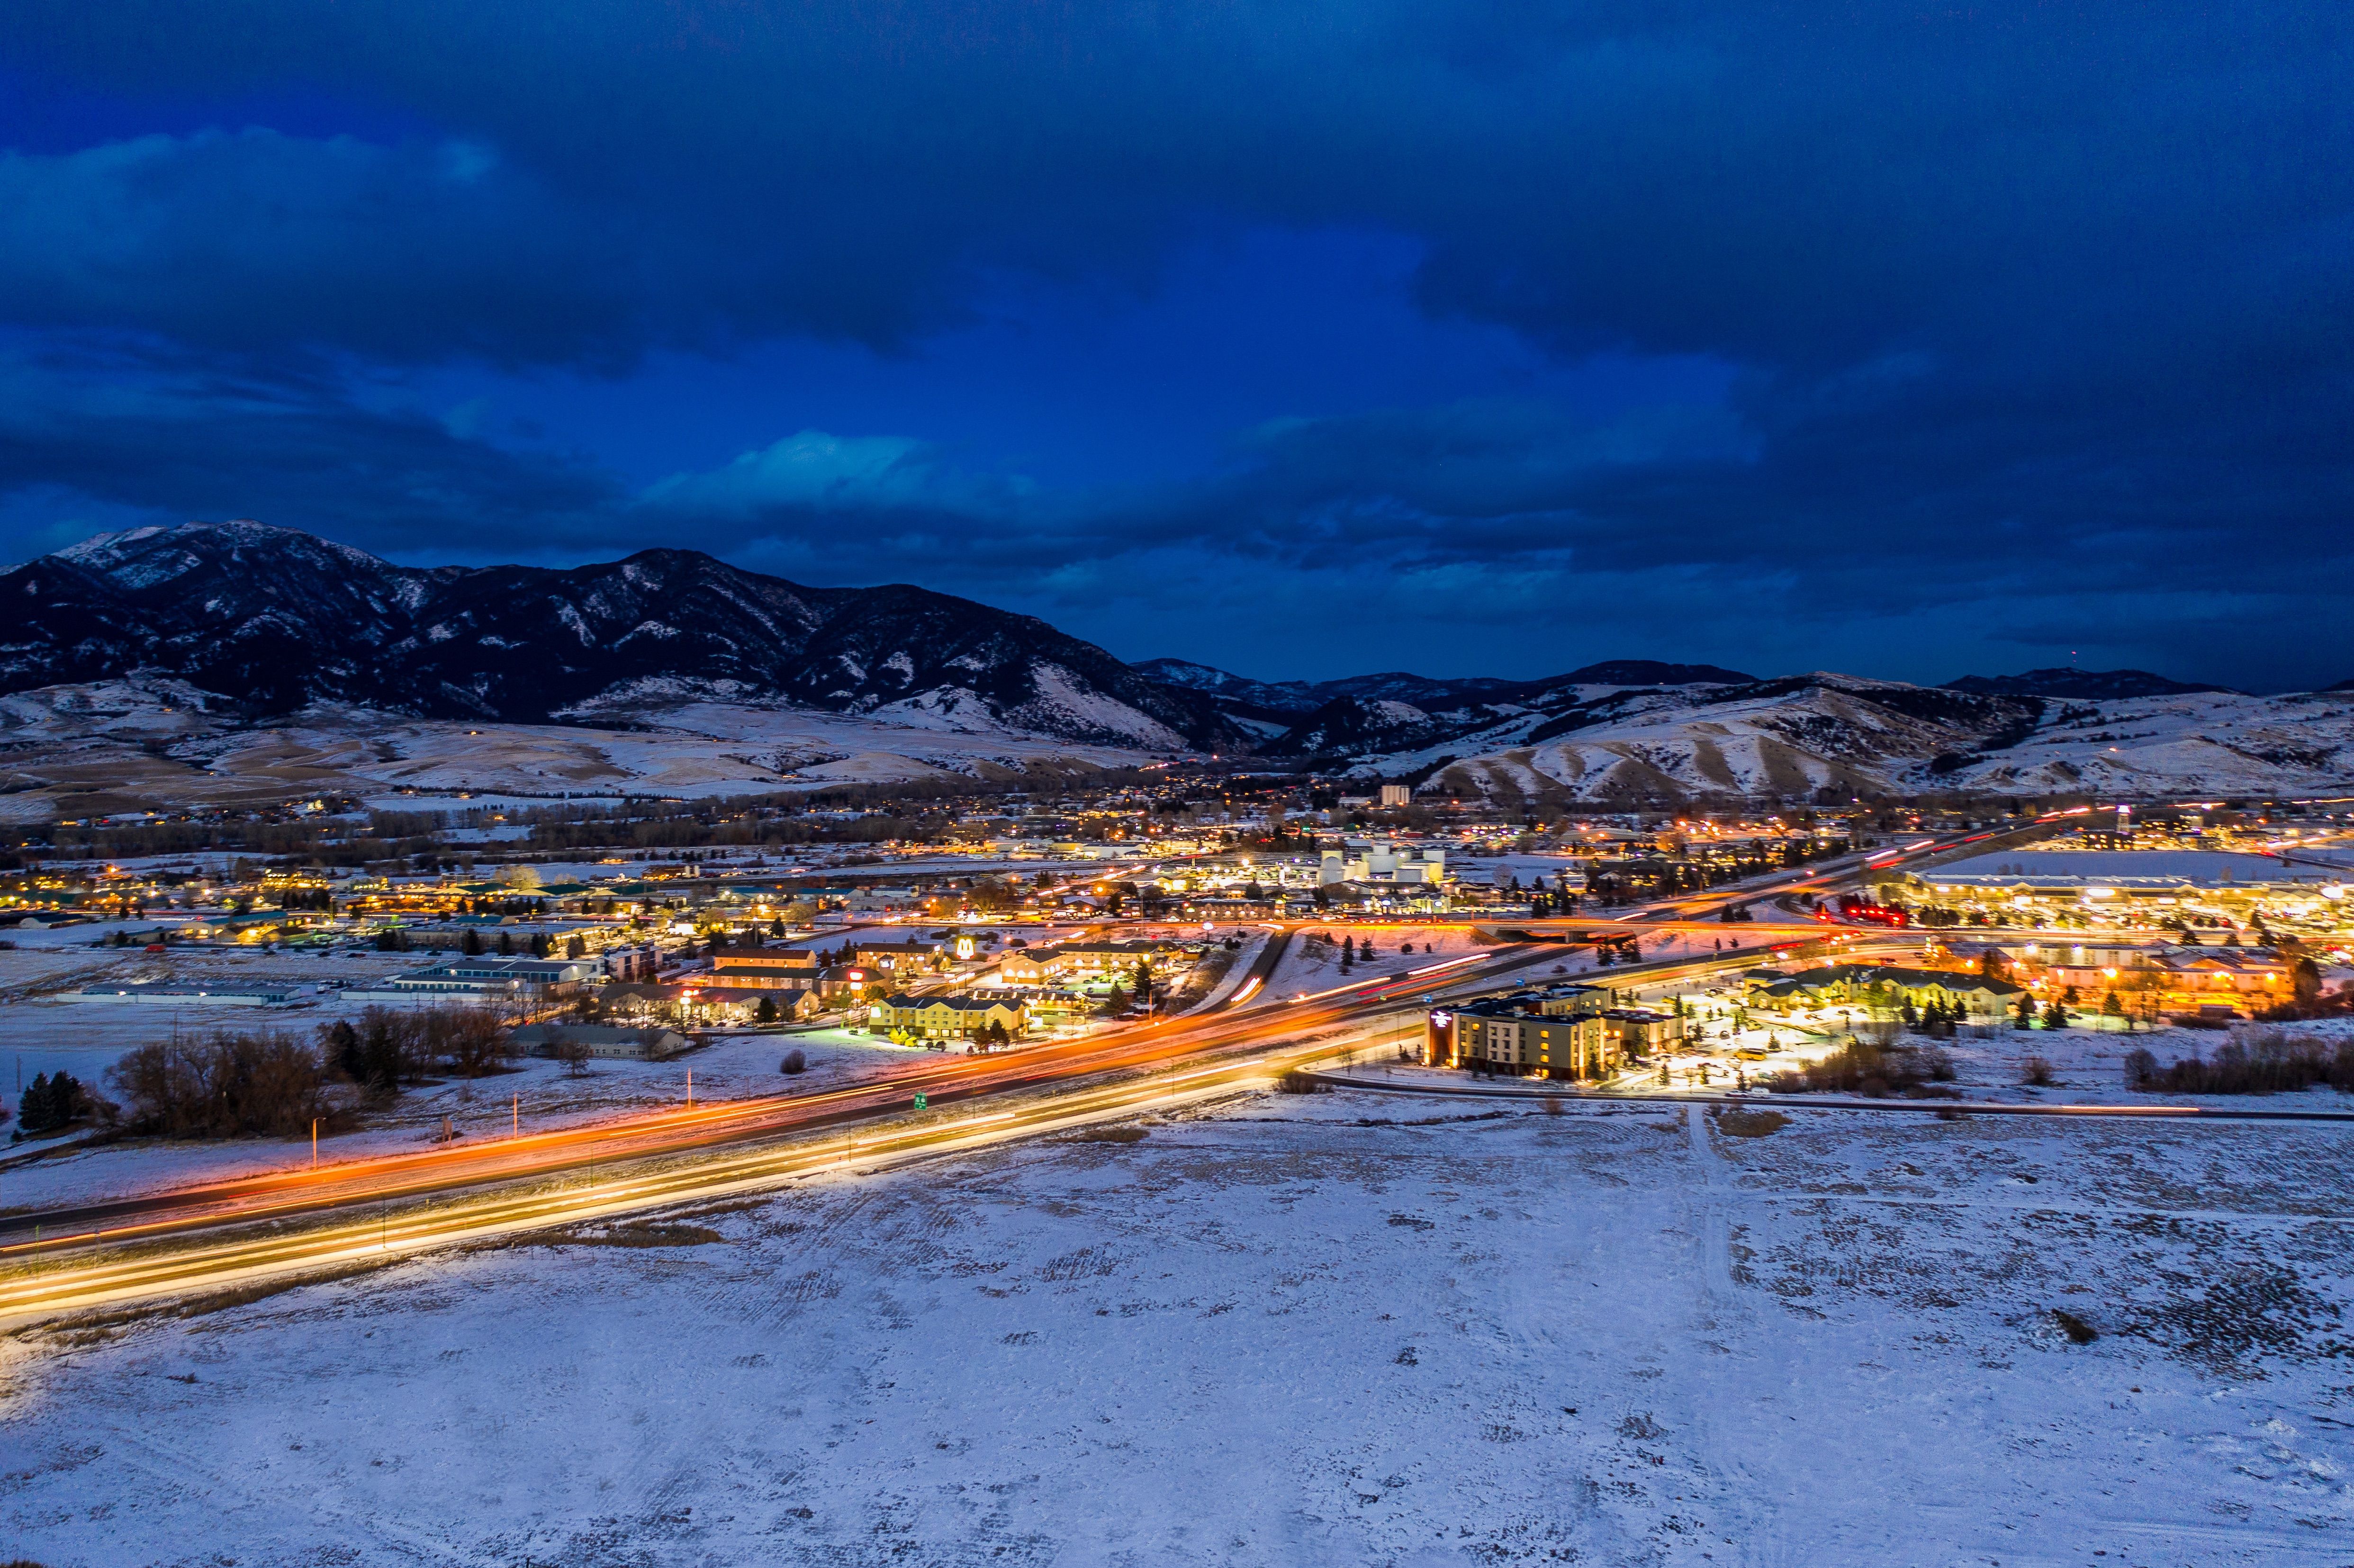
277,619
2081,684
253,623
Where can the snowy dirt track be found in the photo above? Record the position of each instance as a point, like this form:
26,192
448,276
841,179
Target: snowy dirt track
1299,1331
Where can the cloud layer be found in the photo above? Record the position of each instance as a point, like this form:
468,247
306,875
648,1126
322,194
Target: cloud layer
2035,322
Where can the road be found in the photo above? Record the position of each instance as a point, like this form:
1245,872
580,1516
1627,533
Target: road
1231,1028
221,1236
222,1232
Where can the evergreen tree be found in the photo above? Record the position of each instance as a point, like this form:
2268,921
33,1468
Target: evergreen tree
342,1048
2026,1010
2055,1016
507,945
50,1101
471,944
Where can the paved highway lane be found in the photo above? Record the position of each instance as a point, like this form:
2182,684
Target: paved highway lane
219,1235
941,1080
410,1211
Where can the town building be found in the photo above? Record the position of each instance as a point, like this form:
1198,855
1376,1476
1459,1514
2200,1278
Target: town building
486,977
2159,877
901,960
793,1004
940,1017
1057,1009
773,968
1883,986
1383,861
631,965
198,996
1083,961
1517,1034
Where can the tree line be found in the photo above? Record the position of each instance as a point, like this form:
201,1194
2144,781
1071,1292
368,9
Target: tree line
273,1082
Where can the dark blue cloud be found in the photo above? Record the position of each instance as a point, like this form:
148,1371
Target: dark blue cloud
1837,332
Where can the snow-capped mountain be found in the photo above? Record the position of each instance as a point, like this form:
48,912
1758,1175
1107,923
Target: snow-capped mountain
278,619
1829,736
202,633
2079,684
1396,710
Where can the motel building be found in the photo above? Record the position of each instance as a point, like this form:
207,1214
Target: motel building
1567,1037
934,1019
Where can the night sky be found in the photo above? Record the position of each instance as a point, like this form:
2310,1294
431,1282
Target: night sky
1301,340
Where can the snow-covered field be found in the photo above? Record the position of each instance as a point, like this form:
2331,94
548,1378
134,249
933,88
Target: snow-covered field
1337,1330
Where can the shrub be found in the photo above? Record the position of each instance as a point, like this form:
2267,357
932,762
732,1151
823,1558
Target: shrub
795,1063
2078,1331
1751,1123
268,1083
1295,1081
2255,1061
2035,1070
1868,1067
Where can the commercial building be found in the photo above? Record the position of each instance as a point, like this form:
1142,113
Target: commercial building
791,1003
2160,877
1571,1034
1383,861
631,965
1081,961
1887,986
901,960
486,977
197,996
771,969
947,1017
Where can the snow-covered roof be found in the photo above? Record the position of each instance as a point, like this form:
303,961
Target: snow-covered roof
2126,869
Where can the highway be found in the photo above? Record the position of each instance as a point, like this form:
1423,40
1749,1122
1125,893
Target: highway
943,1080
217,1235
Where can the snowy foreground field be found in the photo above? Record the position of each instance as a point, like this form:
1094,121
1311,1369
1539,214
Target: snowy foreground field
1292,1330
